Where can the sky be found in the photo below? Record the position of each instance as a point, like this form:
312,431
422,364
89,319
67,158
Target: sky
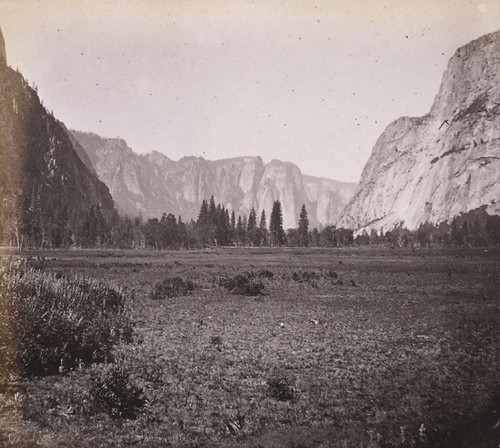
310,82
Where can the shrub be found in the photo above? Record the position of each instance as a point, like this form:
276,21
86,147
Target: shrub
309,277
115,394
172,287
54,324
216,341
280,388
241,284
313,277
332,274
334,277
265,273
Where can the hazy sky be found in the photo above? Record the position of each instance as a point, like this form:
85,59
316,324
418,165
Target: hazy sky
311,82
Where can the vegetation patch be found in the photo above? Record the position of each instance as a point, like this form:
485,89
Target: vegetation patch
265,273
242,284
52,324
172,287
280,387
313,278
114,393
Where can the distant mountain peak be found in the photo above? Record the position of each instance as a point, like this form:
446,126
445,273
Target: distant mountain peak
152,184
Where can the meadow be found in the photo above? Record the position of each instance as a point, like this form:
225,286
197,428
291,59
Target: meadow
267,347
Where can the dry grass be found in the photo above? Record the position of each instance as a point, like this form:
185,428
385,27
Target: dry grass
397,349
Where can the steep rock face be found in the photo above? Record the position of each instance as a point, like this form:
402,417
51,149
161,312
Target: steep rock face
329,196
3,54
45,189
435,167
152,184
284,181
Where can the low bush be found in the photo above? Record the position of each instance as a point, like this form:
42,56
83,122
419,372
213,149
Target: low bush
114,393
280,387
216,341
51,324
172,287
334,277
309,277
312,277
242,284
265,273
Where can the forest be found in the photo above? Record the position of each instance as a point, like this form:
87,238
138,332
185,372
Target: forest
218,226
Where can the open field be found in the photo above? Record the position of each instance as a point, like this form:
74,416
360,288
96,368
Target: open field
343,347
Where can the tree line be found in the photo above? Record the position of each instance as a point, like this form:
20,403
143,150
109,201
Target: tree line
215,226
218,226
476,228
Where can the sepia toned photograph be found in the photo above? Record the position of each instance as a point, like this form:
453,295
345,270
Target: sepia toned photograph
249,223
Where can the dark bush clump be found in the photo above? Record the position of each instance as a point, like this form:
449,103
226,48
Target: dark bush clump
332,274
309,277
280,388
54,324
172,287
242,285
334,277
115,394
312,278
216,341
265,273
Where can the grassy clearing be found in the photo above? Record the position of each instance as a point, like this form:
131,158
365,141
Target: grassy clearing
339,348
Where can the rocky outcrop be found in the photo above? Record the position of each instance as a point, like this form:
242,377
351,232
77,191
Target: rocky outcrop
435,167
46,191
152,184
3,54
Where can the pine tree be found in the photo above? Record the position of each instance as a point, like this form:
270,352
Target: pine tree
252,228
203,215
181,234
262,233
303,227
240,232
244,225
223,226
203,225
232,228
212,211
276,225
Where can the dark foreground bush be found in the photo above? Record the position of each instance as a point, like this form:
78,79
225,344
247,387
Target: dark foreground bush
172,287
313,278
51,324
242,284
115,394
280,388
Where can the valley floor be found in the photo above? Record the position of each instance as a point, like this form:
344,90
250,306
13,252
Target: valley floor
343,347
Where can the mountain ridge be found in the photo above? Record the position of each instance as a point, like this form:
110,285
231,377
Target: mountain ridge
152,183
48,195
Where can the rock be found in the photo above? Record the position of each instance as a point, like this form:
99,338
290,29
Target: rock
3,54
47,191
435,167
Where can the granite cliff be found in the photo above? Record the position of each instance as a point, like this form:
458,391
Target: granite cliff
150,184
447,162
47,193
